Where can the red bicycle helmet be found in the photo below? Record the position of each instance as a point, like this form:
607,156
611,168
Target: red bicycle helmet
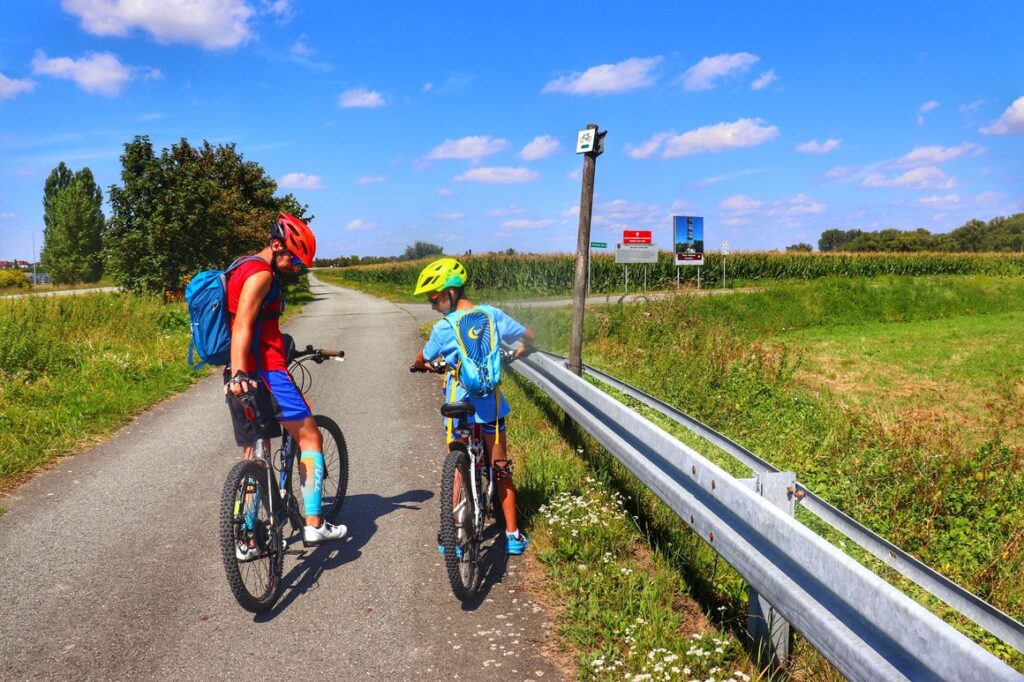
296,236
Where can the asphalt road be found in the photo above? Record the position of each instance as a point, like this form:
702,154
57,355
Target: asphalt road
110,567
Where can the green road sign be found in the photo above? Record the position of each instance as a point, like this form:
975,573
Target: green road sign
599,245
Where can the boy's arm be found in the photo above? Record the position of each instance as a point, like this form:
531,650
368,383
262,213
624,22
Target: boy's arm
433,347
525,344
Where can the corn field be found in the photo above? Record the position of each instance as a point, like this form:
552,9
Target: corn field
552,274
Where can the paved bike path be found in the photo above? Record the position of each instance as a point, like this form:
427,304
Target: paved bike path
110,566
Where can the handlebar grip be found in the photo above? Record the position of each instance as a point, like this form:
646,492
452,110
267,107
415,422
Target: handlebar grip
332,353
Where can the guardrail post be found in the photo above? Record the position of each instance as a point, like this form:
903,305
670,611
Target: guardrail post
769,633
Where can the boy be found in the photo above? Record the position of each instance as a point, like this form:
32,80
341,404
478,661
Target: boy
444,283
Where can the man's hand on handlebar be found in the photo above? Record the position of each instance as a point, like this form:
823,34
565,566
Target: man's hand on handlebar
240,383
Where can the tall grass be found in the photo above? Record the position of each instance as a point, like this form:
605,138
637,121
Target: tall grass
914,480
73,368
553,274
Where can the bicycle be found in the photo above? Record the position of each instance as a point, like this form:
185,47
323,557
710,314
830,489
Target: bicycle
260,498
466,500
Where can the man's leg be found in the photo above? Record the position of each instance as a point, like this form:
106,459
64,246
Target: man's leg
311,465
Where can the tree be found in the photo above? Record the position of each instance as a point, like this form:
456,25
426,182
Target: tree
189,209
421,250
73,222
801,247
834,240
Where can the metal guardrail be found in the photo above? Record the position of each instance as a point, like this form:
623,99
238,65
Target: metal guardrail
863,625
968,604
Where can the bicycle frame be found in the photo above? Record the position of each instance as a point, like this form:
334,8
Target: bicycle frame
280,490
470,436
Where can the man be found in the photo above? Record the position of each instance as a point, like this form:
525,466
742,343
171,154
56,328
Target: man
259,363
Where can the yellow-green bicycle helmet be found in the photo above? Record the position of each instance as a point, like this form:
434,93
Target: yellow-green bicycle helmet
439,275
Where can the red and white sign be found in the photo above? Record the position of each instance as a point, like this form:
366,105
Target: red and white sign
636,236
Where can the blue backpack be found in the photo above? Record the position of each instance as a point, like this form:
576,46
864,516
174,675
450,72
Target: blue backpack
207,299
479,369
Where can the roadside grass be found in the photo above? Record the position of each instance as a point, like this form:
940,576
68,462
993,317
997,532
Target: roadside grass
622,608
74,369
736,364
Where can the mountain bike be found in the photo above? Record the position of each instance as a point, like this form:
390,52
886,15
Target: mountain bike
468,494
261,497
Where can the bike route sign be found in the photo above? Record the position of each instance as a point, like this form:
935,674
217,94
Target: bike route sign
599,245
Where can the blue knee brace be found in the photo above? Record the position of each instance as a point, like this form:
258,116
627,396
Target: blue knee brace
312,493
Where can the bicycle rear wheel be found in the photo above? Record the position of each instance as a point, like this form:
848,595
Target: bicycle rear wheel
458,534
250,540
335,484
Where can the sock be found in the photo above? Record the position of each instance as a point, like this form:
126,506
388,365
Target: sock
515,535
312,493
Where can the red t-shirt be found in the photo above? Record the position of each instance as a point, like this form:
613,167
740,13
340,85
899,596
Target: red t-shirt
271,348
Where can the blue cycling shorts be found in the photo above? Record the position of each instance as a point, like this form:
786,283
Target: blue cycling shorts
290,403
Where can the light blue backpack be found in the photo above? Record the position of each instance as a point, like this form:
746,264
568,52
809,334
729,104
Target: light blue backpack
479,369
207,299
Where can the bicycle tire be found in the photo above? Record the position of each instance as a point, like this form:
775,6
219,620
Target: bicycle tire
335,482
462,565
248,479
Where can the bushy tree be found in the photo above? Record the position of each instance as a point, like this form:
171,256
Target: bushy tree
188,209
802,247
421,250
73,222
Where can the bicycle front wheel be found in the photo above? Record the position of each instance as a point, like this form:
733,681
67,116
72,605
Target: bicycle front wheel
250,540
335,484
458,536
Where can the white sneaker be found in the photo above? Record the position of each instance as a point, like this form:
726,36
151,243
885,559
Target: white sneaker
245,552
312,535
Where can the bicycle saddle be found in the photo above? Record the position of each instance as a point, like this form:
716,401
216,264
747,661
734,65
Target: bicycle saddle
457,410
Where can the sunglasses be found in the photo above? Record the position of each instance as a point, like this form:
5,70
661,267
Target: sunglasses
434,300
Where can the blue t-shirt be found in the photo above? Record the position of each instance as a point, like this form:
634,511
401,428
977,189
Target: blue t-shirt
442,343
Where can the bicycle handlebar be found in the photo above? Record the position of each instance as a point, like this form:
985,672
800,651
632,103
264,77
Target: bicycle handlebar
440,366
319,355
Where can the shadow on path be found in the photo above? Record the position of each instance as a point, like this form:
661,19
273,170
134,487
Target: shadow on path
360,514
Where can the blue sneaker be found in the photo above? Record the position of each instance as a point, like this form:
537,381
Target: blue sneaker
458,551
516,545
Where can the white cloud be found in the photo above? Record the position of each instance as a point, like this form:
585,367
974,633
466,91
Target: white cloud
525,224
450,216
282,9
937,201
370,180
764,80
154,116
100,73
745,132
213,24
607,79
300,48
301,181
359,225
575,175
649,148
508,210
740,204
360,98
1010,123
930,105
971,106
539,147
7,216
445,192
799,204
12,87
815,147
427,87
920,119
498,175
933,154
839,172
715,179
471,148
703,74
926,177
989,197
571,212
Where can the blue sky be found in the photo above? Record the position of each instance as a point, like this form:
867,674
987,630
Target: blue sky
456,122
